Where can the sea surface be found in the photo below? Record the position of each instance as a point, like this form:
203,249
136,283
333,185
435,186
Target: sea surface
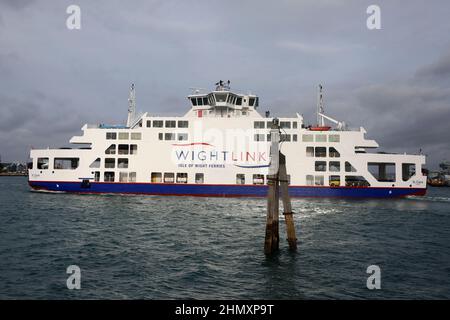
151,247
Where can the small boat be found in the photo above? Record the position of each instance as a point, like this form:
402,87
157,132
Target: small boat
436,179
320,128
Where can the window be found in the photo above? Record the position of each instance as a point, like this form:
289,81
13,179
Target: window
169,177
294,125
335,181
133,148
334,153
95,164
334,138
110,163
319,181
182,136
356,181
194,101
122,163
310,151
136,136
258,179
408,170
221,97
171,123
42,163
240,178
149,123
251,101
111,136
259,124
158,123
259,137
268,137
123,176
66,163
239,101
321,138
182,177
321,166
309,180
199,178
199,101
321,152
334,166
124,135
108,176
123,149
160,136
285,124
294,137
349,167
111,149
97,176
183,124
156,177
382,171
307,138
169,136
132,177
285,137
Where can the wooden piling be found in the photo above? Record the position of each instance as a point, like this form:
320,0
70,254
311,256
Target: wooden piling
287,207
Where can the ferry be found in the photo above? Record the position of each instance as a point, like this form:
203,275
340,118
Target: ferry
221,148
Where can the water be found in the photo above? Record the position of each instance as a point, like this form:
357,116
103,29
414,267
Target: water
144,247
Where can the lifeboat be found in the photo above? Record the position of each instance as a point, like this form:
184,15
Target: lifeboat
320,128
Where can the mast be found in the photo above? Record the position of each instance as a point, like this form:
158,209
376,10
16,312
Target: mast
131,106
320,111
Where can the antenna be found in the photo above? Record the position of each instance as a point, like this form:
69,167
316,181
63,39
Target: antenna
131,106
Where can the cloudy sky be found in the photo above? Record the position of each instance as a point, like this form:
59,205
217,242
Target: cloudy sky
395,81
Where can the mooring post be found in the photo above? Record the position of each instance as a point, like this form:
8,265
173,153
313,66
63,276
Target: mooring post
287,207
272,226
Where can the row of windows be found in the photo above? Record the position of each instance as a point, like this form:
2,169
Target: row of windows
168,136
335,181
110,163
268,124
283,137
333,166
321,138
124,136
58,163
321,152
168,123
170,177
122,149
110,176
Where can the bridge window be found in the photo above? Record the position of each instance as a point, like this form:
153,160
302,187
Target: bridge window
182,177
132,177
169,177
156,177
111,136
335,181
123,176
382,171
183,124
307,138
334,153
221,97
239,101
136,136
349,167
240,178
259,137
158,123
408,170
122,163
294,125
133,148
320,166
334,166
149,123
194,101
285,124
259,124
182,136
356,181
110,163
42,163
171,124
334,138
321,152
123,135
251,101
95,164
111,149
199,178
66,163
258,179
321,138
123,149
108,176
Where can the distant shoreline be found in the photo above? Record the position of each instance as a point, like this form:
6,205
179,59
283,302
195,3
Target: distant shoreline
13,174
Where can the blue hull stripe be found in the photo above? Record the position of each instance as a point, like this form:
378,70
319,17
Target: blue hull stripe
223,190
